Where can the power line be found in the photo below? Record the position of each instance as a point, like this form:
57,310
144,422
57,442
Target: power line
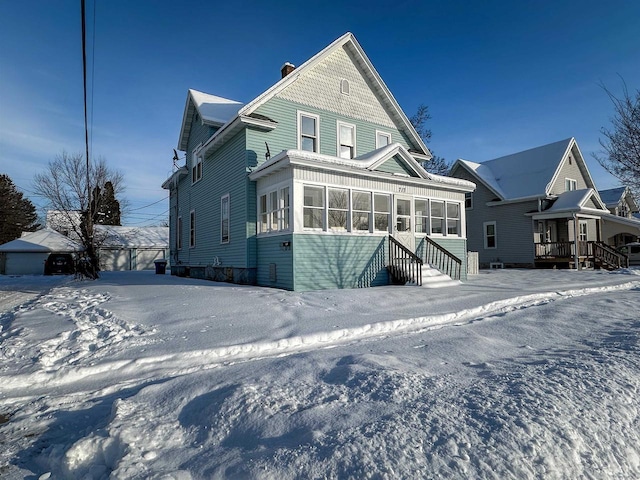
140,208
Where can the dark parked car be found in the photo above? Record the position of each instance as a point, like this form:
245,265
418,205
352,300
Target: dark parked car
59,264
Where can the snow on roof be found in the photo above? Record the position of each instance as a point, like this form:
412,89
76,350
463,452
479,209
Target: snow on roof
523,174
133,237
569,201
215,109
611,196
45,240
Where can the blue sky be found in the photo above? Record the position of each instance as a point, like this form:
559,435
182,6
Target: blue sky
498,77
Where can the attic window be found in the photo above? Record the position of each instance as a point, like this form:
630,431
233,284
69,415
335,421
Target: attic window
196,117
570,159
344,87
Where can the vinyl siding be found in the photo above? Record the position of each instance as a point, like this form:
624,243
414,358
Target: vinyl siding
574,171
271,251
393,165
285,135
514,229
339,261
457,246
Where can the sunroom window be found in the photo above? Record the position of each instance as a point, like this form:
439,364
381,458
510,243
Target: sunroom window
381,212
313,211
453,219
361,211
422,216
338,208
437,217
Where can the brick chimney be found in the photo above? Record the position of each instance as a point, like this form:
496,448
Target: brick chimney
286,69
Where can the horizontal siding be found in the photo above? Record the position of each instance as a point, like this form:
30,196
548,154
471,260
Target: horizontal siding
456,246
573,171
393,165
272,251
514,229
339,261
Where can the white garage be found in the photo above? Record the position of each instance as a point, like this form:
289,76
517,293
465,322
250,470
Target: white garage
131,248
26,255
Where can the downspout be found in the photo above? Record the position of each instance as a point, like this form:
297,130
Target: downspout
576,256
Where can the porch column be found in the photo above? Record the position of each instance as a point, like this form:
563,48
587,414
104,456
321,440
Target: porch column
576,246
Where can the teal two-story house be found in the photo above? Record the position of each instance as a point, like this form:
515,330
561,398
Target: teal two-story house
312,184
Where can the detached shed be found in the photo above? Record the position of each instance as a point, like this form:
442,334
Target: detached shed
26,255
131,248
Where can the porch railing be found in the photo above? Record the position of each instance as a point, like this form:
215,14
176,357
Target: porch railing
608,257
404,265
601,254
442,259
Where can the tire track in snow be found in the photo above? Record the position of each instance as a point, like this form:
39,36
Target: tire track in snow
176,364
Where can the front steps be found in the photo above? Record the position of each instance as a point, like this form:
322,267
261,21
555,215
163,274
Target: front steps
433,278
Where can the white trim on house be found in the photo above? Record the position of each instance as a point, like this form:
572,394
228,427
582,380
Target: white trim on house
382,133
486,235
340,143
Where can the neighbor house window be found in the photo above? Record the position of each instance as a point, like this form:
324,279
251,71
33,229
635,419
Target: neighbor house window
196,167
422,216
192,229
346,140
313,210
382,139
361,211
468,200
179,234
308,136
381,212
224,219
338,204
570,184
437,217
490,235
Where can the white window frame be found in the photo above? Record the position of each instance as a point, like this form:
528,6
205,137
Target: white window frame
353,210
570,182
345,87
338,210
317,132
425,214
179,233
192,229
380,133
583,236
321,208
225,199
486,236
263,213
443,218
339,125
449,219
196,165
284,209
379,212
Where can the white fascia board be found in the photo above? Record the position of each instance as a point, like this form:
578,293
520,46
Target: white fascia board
631,222
462,163
181,172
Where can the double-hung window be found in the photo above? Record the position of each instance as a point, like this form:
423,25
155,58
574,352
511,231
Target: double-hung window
490,235
453,219
437,217
382,139
381,212
338,204
360,211
196,166
570,184
192,229
582,230
468,200
179,233
308,128
313,209
346,140
224,219
422,216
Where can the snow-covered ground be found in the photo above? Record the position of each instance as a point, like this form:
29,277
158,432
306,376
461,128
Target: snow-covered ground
514,374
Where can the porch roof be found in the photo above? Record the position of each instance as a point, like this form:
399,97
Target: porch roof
574,202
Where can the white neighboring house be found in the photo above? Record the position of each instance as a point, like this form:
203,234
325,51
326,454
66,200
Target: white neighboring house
131,248
26,255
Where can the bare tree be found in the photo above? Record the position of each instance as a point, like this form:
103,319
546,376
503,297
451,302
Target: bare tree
64,186
437,165
621,143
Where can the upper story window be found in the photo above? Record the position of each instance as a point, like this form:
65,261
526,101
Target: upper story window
570,184
308,132
192,229
346,140
623,210
468,200
196,166
382,139
179,233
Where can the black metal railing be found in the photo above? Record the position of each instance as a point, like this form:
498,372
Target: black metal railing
404,265
442,259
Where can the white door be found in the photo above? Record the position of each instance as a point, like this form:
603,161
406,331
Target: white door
403,228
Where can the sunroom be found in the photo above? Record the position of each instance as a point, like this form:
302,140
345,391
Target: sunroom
326,222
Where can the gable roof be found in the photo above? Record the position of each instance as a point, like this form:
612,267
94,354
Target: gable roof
527,174
246,113
45,240
133,237
612,197
367,163
213,110
576,201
